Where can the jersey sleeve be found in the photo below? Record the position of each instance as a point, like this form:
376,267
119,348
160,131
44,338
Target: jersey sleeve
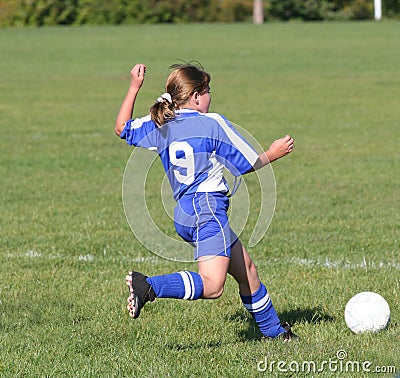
140,132
232,150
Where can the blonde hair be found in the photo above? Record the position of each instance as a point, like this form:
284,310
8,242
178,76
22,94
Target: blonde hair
182,82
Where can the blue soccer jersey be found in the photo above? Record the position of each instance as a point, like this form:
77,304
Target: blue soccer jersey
194,148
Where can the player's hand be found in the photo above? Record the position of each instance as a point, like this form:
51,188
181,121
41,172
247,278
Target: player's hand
137,75
281,147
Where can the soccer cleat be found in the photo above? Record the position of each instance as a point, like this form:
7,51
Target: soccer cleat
140,292
286,336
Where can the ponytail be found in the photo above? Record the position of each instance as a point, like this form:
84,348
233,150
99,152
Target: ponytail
163,110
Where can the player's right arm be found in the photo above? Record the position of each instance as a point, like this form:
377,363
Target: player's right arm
126,111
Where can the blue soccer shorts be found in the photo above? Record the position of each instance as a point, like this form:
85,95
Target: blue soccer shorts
202,220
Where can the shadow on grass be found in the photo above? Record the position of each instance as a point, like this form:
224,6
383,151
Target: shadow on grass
199,345
313,315
250,331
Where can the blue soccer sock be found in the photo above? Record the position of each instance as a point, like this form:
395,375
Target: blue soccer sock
180,285
260,307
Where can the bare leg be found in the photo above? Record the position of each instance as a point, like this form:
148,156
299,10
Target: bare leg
254,295
243,270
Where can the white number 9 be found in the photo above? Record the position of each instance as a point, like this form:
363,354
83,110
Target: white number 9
186,162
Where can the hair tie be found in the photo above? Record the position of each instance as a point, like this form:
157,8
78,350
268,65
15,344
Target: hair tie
165,96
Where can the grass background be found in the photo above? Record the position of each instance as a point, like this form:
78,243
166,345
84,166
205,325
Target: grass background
65,244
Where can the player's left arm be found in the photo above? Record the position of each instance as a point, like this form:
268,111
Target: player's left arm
279,148
126,110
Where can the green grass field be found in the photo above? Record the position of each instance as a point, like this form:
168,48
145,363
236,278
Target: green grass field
65,243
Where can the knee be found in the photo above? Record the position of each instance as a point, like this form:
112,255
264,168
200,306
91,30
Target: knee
212,289
215,293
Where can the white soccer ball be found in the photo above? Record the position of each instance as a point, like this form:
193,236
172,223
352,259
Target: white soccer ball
367,312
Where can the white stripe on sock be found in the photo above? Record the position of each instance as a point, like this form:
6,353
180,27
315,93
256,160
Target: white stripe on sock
191,284
259,305
186,282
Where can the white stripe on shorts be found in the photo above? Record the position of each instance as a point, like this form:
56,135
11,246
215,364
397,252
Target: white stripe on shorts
220,225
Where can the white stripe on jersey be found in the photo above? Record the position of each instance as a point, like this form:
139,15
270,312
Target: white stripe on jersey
215,181
138,122
236,140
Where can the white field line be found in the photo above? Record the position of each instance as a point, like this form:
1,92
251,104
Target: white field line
130,256
340,264
87,257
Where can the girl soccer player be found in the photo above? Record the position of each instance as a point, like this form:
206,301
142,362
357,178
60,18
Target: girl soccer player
194,146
